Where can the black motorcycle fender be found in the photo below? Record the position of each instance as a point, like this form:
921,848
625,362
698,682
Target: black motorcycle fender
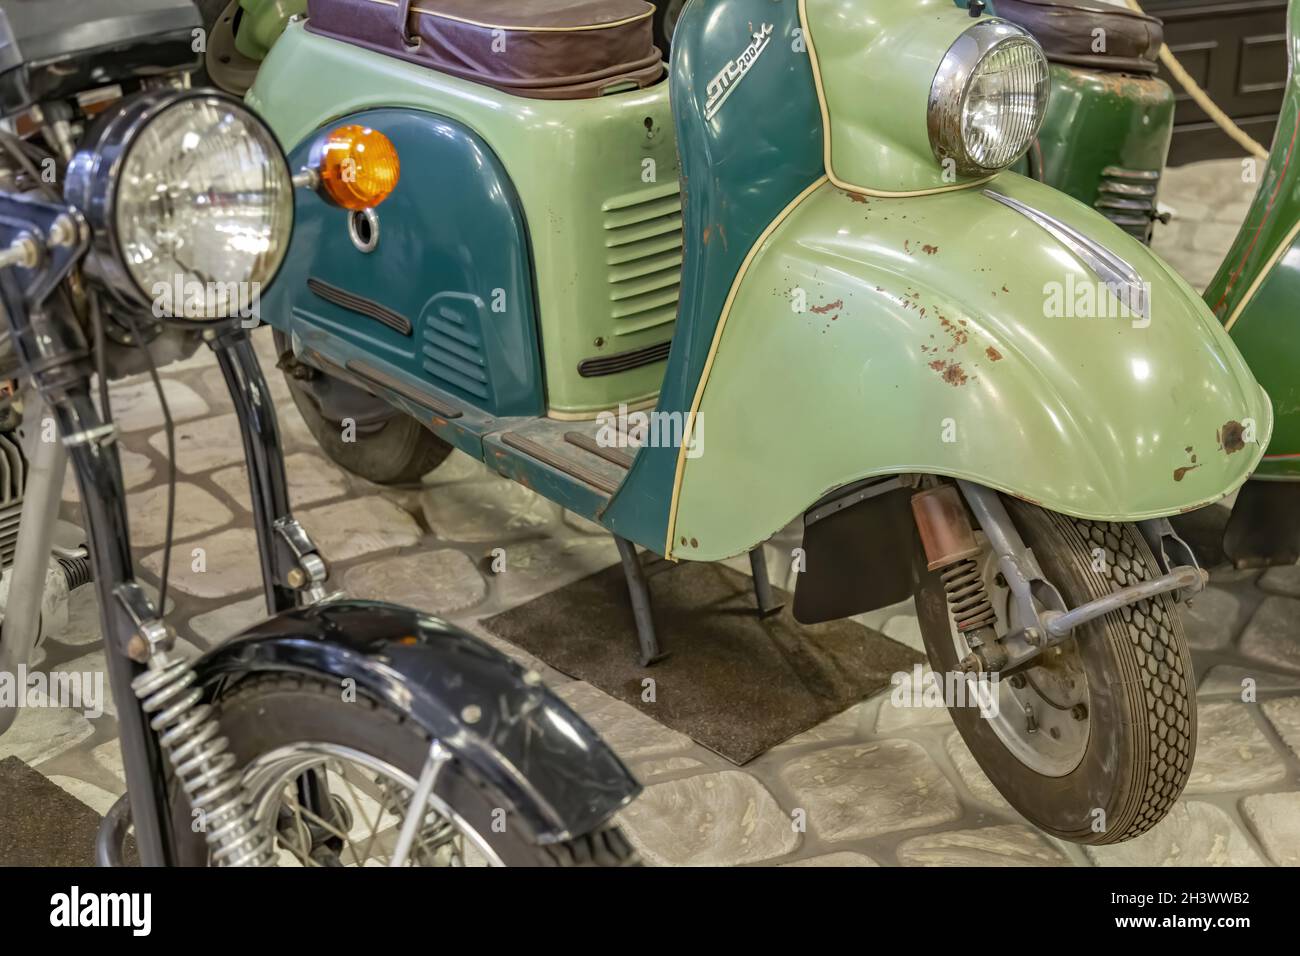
501,723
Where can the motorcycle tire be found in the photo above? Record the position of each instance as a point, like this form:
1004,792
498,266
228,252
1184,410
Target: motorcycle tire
270,713
1138,690
667,13
397,451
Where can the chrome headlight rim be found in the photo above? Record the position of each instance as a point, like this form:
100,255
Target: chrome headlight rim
94,175
951,88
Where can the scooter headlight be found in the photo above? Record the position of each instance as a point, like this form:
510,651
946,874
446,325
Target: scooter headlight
190,199
988,98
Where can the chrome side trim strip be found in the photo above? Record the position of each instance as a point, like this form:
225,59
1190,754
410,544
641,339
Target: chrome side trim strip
1120,277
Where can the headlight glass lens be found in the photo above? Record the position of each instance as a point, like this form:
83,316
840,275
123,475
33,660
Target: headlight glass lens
1004,104
204,209
988,98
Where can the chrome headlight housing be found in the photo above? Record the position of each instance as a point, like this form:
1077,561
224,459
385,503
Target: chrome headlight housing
988,98
190,200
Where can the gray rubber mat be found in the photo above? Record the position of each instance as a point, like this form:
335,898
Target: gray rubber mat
44,825
734,682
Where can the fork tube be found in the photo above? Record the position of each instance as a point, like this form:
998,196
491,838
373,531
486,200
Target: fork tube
103,509
55,356
268,487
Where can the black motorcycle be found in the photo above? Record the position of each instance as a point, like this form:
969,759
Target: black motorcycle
138,218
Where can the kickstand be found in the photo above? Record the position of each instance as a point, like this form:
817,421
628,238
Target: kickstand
639,592
767,604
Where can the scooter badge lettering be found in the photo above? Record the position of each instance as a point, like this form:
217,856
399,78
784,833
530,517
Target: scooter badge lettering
729,77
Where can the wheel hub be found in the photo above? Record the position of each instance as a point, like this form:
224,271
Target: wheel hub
1042,712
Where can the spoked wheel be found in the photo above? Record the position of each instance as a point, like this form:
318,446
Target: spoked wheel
1094,742
286,730
395,451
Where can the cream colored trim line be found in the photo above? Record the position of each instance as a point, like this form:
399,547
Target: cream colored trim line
826,135
713,352
501,26
1263,274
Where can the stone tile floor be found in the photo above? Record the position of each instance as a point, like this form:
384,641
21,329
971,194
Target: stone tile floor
875,785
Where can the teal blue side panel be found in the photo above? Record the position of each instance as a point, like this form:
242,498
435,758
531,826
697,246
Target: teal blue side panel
740,168
452,259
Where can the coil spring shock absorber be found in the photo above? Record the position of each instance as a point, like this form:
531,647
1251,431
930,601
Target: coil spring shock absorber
199,756
951,549
967,597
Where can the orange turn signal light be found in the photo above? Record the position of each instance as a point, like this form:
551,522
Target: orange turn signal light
358,167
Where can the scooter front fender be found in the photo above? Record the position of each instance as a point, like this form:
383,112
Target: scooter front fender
512,733
953,334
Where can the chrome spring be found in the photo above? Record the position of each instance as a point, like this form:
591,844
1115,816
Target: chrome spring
202,763
967,597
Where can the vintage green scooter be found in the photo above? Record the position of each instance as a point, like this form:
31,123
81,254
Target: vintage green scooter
805,290
1105,141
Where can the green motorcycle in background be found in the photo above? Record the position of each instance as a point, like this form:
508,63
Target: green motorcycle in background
832,307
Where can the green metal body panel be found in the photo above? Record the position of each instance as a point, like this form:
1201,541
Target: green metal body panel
1262,313
597,179
763,146
262,23
877,60
1104,121
925,347
451,260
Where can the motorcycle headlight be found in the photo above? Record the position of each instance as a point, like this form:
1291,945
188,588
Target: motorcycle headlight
988,98
190,199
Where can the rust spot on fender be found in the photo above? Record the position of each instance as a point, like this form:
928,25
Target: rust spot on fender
1180,473
929,250
1232,437
856,197
950,372
958,334
828,307
993,354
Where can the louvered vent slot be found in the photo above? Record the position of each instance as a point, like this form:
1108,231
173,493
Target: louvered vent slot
1127,197
453,353
643,243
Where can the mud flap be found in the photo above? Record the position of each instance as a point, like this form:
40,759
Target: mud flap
857,547
1264,530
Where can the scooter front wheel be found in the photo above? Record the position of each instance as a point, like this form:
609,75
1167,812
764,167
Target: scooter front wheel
284,730
1094,742
397,451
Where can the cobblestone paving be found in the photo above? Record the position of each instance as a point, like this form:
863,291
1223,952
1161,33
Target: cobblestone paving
874,785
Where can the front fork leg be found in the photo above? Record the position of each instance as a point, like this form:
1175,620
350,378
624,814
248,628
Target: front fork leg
290,564
1047,620
293,572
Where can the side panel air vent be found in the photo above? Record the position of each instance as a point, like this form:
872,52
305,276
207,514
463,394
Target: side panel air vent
613,364
452,345
1127,197
361,305
643,243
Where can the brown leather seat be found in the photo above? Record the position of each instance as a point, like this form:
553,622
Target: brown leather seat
1067,30
551,49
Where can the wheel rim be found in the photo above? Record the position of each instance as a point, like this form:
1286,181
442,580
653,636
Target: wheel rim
373,796
1044,697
